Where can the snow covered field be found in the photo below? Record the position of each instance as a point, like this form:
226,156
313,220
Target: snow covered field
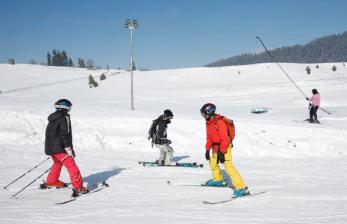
301,166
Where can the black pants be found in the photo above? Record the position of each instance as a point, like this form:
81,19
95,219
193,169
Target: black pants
313,113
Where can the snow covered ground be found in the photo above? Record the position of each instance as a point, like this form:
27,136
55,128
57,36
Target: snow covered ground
302,167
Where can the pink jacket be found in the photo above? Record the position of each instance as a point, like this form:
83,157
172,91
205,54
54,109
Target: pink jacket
315,100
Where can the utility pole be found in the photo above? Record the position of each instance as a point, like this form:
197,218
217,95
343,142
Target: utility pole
131,25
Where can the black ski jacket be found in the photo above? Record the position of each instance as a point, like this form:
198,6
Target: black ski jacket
161,131
58,133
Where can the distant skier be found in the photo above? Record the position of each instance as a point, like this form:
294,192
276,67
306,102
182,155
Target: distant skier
314,105
158,134
220,133
58,145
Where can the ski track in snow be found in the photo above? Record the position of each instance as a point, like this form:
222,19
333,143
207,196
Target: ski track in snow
301,166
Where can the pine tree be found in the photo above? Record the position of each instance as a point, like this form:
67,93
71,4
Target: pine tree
70,62
11,61
49,59
102,77
64,59
81,63
92,82
54,57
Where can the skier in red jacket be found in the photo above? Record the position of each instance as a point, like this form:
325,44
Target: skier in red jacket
219,142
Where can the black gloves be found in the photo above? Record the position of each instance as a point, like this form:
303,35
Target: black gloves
207,155
220,157
166,142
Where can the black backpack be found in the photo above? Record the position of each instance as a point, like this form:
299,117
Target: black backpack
152,129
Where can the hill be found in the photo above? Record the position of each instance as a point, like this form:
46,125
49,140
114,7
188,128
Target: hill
302,166
322,50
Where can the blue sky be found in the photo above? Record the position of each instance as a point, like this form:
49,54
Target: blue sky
171,34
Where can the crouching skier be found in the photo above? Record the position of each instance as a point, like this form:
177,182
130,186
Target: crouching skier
219,140
58,145
158,134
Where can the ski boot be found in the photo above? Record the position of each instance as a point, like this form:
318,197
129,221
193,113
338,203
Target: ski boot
219,183
78,192
160,162
309,120
57,184
241,192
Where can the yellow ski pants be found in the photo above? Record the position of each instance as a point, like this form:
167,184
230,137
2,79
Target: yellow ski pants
234,175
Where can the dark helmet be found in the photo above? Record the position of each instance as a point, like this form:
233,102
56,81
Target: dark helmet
168,114
208,109
63,104
314,91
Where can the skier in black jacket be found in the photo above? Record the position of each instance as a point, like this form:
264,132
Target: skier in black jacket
159,137
58,145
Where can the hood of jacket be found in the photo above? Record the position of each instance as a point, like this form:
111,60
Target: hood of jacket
56,115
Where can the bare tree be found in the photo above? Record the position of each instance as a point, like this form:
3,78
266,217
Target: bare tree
90,64
11,61
32,61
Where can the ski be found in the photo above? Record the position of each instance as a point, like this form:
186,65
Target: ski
176,164
232,198
307,121
201,185
103,186
224,186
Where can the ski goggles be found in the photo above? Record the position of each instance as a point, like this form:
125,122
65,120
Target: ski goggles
204,115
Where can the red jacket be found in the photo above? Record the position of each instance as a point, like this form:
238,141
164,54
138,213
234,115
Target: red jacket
217,134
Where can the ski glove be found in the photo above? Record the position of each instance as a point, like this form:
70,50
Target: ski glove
207,155
165,142
70,151
220,157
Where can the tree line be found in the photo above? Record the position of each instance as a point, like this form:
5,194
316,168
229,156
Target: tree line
331,48
60,58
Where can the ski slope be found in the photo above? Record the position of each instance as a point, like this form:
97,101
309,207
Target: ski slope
301,166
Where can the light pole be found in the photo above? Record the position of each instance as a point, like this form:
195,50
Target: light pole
131,24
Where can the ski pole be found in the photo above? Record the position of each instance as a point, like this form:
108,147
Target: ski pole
26,173
267,51
325,110
14,195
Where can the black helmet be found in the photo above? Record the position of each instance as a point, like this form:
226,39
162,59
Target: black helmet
314,91
168,114
208,110
63,104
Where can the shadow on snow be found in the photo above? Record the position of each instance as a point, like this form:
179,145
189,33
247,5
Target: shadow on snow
94,179
178,158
